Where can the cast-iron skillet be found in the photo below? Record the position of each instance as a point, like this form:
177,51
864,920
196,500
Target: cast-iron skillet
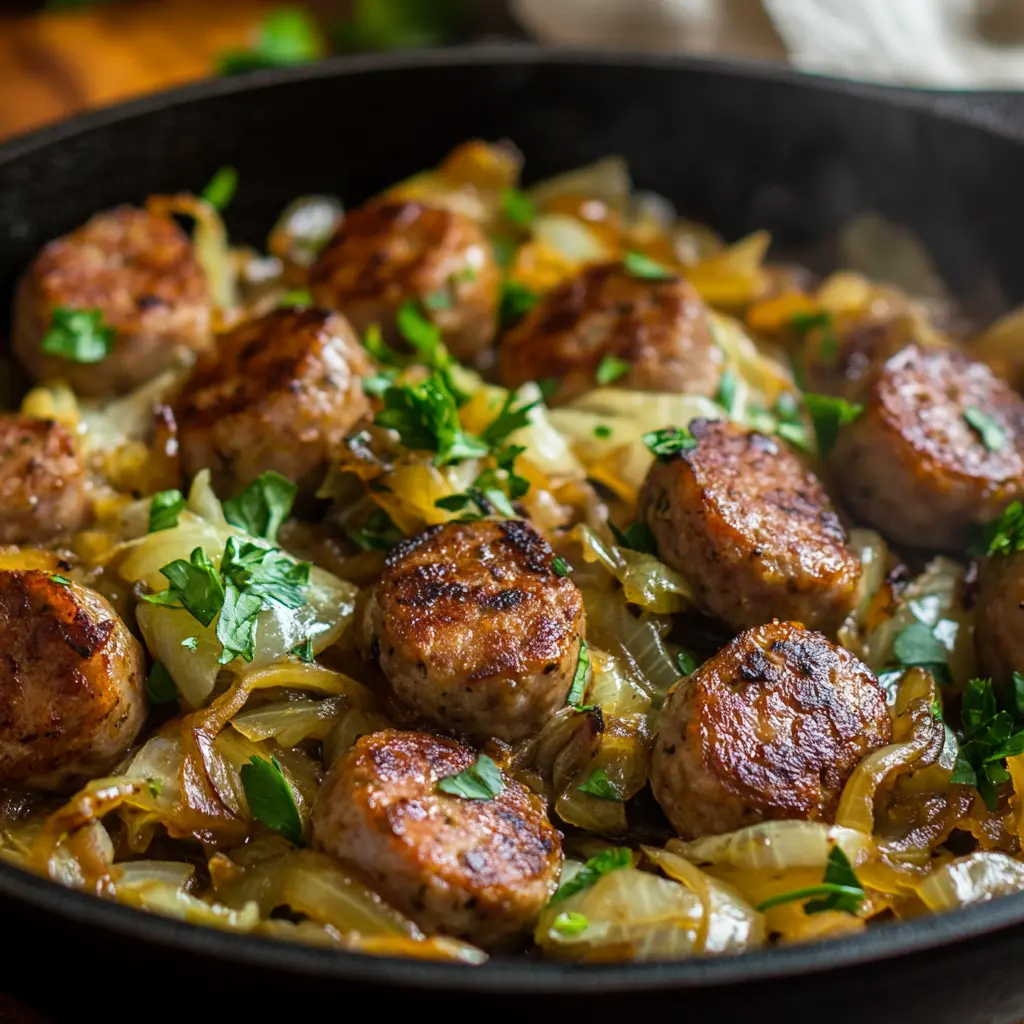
738,146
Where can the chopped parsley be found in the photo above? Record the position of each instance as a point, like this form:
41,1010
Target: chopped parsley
611,369
160,686
580,676
839,890
598,784
607,861
991,434
728,386
829,414
822,321
378,533
477,504
251,579
687,662
602,432
790,426
560,567
295,297
916,646
666,444
637,536
304,651
990,736
164,509
482,780
510,418
517,207
516,301
426,417
263,506
79,335
289,35
270,798
570,923
62,581
1006,535
221,188
638,265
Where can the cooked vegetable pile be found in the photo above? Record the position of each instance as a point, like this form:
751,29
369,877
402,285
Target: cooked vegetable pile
488,566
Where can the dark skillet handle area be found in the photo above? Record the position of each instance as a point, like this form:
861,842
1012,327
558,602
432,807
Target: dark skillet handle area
737,146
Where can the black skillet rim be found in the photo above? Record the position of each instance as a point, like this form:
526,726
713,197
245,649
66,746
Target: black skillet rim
890,941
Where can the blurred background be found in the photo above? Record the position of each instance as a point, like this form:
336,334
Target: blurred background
61,56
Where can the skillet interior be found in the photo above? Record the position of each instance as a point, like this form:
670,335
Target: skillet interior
737,147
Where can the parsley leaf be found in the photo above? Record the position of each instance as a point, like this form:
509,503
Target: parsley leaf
62,581
991,434
195,585
580,676
426,418
263,506
611,369
221,188
378,533
829,414
486,502
917,646
637,536
636,264
839,890
425,338
480,781
728,386
607,861
304,651
570,923
517,206
804,323
160,686
990,736
164,509
270,797
1006,535
510,418
560,567
602,432
80,335
598,784
666,444
516,301
295,297
687,663
288,36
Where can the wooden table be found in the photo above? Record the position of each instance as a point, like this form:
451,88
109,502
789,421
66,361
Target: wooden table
57,64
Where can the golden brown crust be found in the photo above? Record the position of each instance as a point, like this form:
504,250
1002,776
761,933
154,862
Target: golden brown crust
475,629
751,529
280,393
43,487
387,253
478,869
770,727
913,467
658,327
71,682
139,270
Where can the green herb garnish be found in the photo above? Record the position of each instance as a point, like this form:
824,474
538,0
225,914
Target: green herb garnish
1006,535
517,207
916,646
560,567
991,434
480,781
516,301
666,444
598,784
270,797
263,506
638,265
637,536
160,686
807,322
570,923
79,335
221,188
607,861
287,36
829,414
62,581
304,651
295,297
839,890
378,533
611,369
602,432
687,663
580,676
728,387
164,509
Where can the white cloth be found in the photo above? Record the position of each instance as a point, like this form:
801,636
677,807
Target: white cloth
952,43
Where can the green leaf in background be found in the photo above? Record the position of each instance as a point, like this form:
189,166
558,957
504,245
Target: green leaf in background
289,35
400,24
